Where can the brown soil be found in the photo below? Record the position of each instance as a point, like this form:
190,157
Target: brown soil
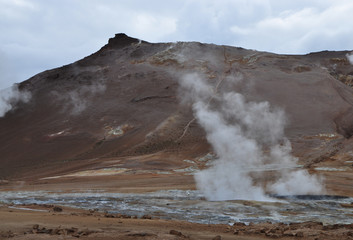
43,222
55,222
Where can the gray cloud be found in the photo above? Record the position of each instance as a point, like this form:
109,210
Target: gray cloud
302,31
38,35
8,73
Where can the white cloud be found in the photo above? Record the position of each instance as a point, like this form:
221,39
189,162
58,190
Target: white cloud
37,36
305,30
153,27
23,3
238,30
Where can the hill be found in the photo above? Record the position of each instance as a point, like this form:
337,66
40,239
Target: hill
136,100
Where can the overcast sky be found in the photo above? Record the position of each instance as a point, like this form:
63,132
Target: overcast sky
36,35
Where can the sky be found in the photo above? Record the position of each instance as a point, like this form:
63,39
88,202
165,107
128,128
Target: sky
37,35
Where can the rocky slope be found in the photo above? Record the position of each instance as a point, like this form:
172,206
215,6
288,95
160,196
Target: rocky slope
126,100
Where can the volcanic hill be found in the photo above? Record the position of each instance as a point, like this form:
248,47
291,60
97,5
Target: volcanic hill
123,108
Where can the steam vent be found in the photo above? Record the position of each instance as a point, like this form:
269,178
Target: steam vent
182,122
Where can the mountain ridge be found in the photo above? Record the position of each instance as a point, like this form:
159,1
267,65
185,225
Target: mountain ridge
125,100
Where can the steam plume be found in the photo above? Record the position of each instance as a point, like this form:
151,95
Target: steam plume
350,57
76,101
9,97
248,138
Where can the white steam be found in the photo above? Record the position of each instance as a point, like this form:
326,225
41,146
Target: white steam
9,97
76,101
248,139
350,57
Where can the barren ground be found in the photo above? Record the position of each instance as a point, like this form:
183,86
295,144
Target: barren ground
42,222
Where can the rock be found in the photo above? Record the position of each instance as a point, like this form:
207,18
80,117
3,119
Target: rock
313,225
349,226
47,205
55,231
76,235
142,234
120,40
85,232
294,226
108,215
61,231
72,230
176,233
146,217
238,232
239,224
250,231
289,233
57,209
299,234
47,231
8,234
301,69
218,237
37,230
91,210
333,227
276,235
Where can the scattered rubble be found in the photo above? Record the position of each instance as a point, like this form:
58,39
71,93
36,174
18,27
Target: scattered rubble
141,234
6,234
57,209
177,233
74,232
309,230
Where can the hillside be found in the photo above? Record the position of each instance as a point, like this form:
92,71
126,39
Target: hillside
126,101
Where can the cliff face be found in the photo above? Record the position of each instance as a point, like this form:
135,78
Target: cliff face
126,100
